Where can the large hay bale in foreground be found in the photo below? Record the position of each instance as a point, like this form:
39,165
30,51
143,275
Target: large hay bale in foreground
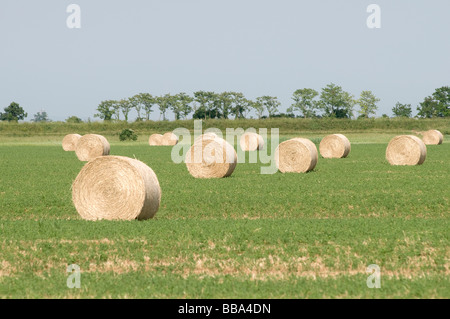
206,136
432,137
70,141
297,155
406,150
169,139
335,146
91,146
251,142
211,158
116,188
155,140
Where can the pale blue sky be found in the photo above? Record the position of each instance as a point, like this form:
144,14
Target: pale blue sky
257,47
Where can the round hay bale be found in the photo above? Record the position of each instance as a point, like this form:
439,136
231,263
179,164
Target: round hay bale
334,146
155,140
169,139
251,142
91,146
116,188
70,142
206,136
297,155
211,158
432,137
406,150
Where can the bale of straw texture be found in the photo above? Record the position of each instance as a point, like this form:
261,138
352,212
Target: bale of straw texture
251,142
70,142
155,140
334,146
169,139
211,158
432,137
406,150
91,146
297,155
206,136
116,188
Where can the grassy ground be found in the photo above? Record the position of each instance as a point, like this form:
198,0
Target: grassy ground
248,236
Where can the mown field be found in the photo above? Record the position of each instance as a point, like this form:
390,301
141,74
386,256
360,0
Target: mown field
247,236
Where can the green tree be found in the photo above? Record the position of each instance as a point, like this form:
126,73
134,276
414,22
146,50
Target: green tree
200,97
368,103
136,103
304,101
125,106
239,104
164,103
13,113
436,105
224,101
335,102
268,103
147,101
40,116
106,109
74,119
184,101
402,110
258,107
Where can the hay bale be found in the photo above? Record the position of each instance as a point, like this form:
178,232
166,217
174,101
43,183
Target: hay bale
70,142
251,142
432,137
206,136
116,188
211,158
169,139
334,146
155,140
91,146
297,155
406,150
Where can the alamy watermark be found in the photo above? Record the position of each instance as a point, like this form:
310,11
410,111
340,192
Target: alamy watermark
374,280
232,135
74,279
374,20
73,21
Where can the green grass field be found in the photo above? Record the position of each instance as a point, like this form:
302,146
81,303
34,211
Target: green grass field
247,236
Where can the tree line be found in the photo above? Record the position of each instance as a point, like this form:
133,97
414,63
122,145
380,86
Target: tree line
331,101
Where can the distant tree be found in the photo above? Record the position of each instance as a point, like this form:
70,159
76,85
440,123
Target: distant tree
269,103
125,106
13,113
136,103
385,116
40,116
201,98
335,102
164,103
183,102
402,110
147,101
106,109
212,105
436,105
304,102
224,101
368,103
258,107
74,119
239,104
208,105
